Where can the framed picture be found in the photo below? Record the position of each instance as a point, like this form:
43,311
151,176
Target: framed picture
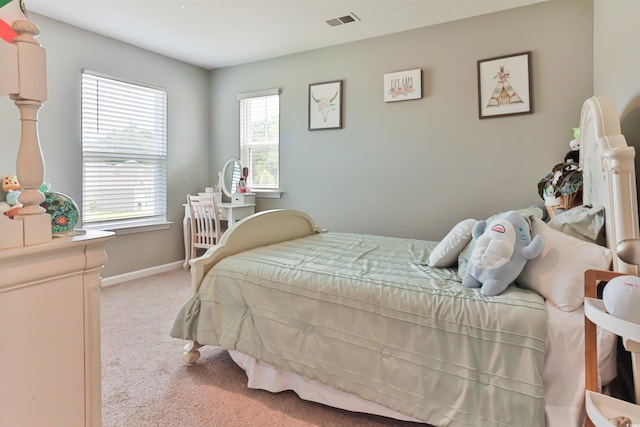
504,85
325,105
403,85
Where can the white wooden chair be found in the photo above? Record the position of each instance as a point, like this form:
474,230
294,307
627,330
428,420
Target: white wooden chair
205,223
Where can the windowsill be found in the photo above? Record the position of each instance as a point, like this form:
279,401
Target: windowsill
131,227
268,194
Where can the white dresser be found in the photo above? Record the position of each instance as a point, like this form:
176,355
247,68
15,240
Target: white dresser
50,332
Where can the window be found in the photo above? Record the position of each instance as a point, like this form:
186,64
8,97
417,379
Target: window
124,153
260,138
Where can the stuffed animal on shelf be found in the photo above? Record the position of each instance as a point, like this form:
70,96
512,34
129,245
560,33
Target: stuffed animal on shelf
502,248
621,298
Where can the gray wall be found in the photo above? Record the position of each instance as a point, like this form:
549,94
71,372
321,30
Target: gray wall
69,50
414,168
616,59
409,168
617,64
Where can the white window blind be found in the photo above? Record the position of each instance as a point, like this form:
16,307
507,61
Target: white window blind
260,138
124,152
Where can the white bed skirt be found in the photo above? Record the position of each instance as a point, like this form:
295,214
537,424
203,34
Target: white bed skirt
266,377
563,374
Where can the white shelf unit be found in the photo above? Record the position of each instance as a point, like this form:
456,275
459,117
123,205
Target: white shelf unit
599,407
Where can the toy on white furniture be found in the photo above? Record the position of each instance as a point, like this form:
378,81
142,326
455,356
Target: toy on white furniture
601,408
23,78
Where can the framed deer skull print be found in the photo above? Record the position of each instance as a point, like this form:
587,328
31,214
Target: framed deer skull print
325,105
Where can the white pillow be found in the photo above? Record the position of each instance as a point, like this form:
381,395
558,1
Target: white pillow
558,273
446,252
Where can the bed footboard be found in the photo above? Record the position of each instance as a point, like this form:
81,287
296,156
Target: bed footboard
260,229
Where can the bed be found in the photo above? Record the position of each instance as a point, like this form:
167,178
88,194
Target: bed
366,323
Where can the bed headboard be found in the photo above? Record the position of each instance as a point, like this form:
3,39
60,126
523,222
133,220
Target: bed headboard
608,165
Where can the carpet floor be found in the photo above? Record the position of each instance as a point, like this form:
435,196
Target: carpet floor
145,383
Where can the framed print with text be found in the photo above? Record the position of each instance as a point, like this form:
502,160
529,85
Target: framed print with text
403,85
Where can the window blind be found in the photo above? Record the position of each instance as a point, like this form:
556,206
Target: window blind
260,138
124,152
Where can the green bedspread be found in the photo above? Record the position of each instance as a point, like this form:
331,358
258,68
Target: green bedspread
364,315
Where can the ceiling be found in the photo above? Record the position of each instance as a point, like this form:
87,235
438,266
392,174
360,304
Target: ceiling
219,33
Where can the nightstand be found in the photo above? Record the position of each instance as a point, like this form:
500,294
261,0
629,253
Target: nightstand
600,408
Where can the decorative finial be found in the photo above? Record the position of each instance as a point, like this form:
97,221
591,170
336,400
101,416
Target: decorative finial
26,30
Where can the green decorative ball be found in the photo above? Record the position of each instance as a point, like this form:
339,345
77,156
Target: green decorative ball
63,210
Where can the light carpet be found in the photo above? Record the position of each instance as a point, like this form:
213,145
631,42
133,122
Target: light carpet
145,382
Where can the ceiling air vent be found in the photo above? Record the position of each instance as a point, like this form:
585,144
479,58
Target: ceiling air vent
343,20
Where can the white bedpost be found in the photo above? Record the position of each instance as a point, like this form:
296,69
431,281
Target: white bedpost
608,165
26,83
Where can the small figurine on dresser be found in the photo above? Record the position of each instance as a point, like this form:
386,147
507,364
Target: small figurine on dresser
242,183
11,186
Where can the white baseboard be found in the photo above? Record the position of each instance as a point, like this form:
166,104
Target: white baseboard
120,278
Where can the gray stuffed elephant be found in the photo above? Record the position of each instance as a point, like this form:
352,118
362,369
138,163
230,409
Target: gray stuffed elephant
501,251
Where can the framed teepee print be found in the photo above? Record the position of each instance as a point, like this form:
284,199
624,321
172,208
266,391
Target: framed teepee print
504,85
